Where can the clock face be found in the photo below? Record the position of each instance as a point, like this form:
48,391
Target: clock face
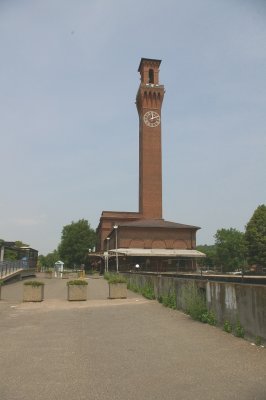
151,118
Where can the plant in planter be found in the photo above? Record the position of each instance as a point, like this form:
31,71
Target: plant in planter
77,290
33,291
117,287
1,284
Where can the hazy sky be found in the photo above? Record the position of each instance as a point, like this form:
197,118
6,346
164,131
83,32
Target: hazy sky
69,124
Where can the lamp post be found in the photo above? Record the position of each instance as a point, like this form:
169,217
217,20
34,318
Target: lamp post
107,249
116,227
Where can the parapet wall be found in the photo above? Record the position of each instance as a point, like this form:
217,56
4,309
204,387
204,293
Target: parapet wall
229,301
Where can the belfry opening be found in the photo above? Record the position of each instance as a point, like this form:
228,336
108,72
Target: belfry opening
151,76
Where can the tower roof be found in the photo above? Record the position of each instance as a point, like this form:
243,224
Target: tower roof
151,60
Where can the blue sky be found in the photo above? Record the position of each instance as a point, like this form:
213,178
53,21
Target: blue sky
69,125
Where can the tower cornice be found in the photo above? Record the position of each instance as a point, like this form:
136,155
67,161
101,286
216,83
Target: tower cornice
149,96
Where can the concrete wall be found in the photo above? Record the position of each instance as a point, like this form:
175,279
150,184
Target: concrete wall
234,302
246,303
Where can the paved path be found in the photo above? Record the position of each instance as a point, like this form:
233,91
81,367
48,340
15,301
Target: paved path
118,349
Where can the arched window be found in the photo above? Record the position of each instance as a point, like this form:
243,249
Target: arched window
151,76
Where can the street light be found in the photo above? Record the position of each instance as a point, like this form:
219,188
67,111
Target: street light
116,227
107,244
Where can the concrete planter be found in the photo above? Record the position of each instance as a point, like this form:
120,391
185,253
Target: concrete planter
77,292
65,275
117,290
48,274
33,293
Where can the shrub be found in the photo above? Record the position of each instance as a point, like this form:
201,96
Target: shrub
239,330
194,301
258,341
2,282
169,300
148,292
77,282
209,318
227,327
33,283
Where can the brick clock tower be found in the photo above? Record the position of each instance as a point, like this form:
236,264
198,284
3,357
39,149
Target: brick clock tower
149,103
144,237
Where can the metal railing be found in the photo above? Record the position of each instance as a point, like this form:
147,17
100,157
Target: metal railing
9,267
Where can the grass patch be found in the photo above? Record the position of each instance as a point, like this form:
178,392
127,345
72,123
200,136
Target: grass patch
78,282
33,283
116,278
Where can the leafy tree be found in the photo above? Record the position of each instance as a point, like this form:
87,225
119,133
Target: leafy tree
209,261
255,237
230,249
76,240
49,260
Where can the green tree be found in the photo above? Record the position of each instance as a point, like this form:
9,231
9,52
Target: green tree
76,240
230,249
49,260
208,262
255,237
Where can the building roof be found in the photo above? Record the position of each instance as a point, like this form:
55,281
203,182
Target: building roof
159,253
157,223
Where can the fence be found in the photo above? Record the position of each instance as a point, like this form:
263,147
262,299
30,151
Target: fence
9,267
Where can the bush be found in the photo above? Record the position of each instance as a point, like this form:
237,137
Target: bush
33,283
77,282
227,327
194,301
148,292
239,330
209,318
2,282
169,300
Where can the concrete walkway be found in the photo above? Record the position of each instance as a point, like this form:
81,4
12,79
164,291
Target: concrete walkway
118,349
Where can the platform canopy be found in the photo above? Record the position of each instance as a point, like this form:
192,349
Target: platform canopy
158,253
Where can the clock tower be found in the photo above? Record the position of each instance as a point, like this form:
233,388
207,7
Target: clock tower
149,103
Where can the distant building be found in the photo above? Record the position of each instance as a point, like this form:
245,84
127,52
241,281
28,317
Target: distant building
26,254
